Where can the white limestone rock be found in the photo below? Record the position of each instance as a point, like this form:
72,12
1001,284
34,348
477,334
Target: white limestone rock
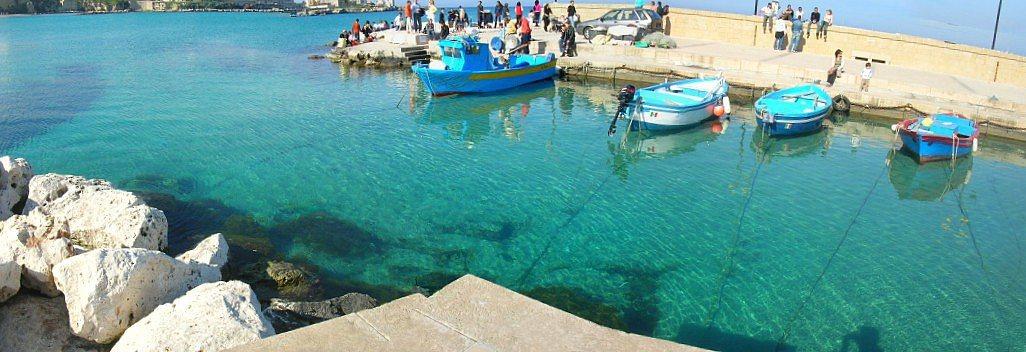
14,180
38,324
36,242
109,289
211,317
10,275
97,214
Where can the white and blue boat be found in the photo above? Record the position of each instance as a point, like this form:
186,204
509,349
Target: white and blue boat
938,137
469,66
793,111
676,105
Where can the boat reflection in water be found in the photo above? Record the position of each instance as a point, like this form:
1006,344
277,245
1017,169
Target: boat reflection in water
928,182
641,145
768,147
468,118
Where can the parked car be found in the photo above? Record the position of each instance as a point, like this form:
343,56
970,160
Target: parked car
641,18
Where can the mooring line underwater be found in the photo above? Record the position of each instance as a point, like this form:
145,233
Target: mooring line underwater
815,283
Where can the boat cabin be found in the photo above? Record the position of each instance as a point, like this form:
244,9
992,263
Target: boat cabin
466,54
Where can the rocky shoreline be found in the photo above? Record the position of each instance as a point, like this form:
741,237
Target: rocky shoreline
83,268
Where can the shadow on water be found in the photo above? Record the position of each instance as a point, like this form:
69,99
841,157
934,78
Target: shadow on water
866,339
929,182
638,146
322,232
576,302
32,108
468,118
769,147
712,338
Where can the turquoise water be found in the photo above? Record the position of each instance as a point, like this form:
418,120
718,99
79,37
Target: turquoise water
224,121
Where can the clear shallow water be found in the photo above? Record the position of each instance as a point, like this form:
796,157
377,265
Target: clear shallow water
317,164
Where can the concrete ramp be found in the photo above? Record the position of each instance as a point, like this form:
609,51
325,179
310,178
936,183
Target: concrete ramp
469,314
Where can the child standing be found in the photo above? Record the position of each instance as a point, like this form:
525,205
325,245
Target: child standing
867,74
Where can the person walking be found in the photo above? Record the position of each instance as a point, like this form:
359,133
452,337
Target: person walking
828,20
796,33
498,14
546,16
767,17
836,69
571,15
779,27
813,20
537,12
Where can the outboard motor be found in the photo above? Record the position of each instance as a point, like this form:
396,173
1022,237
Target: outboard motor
625,97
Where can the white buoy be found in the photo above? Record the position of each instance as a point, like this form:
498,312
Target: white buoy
976,145
726,105
894,128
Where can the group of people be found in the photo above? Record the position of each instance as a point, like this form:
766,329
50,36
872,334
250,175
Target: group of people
358,33
837,67
777,20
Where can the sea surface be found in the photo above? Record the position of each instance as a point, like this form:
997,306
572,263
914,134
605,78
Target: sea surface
714,236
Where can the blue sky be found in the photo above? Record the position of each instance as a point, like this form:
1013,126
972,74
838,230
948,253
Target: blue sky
967,22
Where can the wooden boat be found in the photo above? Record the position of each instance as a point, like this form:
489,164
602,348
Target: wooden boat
678,104
793,111
938,137
469,66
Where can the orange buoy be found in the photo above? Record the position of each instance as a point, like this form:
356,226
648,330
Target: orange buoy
718,111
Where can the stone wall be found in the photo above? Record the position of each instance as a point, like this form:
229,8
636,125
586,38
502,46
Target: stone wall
897,49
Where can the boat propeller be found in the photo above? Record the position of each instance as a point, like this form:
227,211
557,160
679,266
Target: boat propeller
625,97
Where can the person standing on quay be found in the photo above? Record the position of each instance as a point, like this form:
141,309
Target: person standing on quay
480,14
525,35
867,74
519,11
418,14
356,27
431,11
408,12
796,32
828,20
779,27
813,20
546,17
800,13
767,17
571,15
498,14
537,12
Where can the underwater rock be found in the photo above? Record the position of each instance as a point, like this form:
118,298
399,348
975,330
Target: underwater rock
288,315
327,233
211,317
14,180
33,323
292,280
107,290
434,281
159,183
36,243
97,214
577,303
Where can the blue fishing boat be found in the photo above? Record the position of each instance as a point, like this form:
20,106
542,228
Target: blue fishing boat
793,111
938,137
470,66
678,104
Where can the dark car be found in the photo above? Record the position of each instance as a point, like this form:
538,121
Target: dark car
641,18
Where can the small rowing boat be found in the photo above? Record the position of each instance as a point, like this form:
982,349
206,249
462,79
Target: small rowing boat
678,104
469,66
793,111
938,137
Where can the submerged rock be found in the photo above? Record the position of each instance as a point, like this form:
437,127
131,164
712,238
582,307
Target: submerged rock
36,242
107,290
10,275
14,180
34,323
292,280
97,215
289,315
211,317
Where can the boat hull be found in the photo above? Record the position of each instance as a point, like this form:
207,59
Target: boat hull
793,127
663,119
927,148
445,82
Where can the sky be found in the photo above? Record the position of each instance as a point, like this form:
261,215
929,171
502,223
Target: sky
965,22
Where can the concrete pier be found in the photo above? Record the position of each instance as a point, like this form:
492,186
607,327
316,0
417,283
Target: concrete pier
469,314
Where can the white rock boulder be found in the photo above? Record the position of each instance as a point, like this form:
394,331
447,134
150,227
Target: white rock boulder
97,214
36,242
14,180
211,317
109,289
10,275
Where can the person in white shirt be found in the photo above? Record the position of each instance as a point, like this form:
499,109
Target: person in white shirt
779,27
867,74
767,17
828,20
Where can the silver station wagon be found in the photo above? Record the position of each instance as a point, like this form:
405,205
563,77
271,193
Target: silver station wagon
631,17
